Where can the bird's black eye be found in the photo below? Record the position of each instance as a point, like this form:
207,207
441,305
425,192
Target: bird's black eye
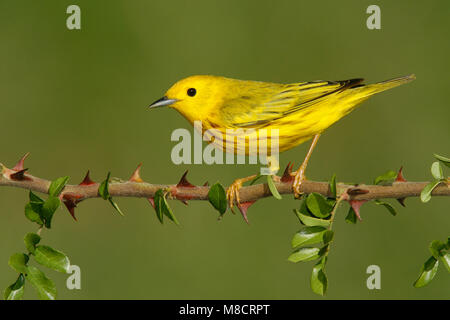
191,92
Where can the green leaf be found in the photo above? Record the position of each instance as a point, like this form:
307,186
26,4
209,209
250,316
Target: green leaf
351,216
435,248
18,261
31,240
444,160
45,287
52,258
304,254
256,179
333,189
218,198
57,186
272,188
328,236
311,221
385,177
436,170
33,212
48,209
445,259
319,281
318,205
390,208
115,206
103,190
15,291
308,235
34,198
427,272
425,195
162,207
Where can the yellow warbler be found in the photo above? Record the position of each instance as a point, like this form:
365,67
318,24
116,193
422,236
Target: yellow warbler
300,111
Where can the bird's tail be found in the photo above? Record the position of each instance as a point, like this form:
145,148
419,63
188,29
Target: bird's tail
370,89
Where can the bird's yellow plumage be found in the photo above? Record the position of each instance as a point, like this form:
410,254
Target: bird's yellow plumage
299,110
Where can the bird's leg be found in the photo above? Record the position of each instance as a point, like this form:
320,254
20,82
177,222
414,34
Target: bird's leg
233,190
300,173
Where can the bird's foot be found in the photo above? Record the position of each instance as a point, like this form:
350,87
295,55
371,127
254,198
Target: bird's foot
298,180
233,191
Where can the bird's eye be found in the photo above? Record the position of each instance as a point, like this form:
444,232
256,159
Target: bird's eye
191,92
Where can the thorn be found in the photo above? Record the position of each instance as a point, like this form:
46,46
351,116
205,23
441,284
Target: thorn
356,191
19,175
356,205
400,177
185,202
287,173
87,180
243,207
152,202
402,201
70,200
135,177
19,165
206,184
184,183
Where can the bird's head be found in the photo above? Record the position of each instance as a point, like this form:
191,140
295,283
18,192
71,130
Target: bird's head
194,97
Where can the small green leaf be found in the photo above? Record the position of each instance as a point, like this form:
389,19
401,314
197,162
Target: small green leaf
48,209
436,247
318,205
333,189
218,198
390,208
308,235
18,261
256,179
311,221
425,195
57,186
45,287
385,177
52,258
319,281
272,188
427,272
34,198
445,259
436,170
15,291
162,207
351,216
32,212
115,206
328,236
444,160
31,240
304,254
103,190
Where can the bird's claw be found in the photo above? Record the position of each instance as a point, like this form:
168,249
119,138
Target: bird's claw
233,193
298,180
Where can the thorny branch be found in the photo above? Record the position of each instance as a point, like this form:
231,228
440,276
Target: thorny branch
135,187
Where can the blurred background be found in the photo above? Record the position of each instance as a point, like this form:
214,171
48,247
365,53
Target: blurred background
76,99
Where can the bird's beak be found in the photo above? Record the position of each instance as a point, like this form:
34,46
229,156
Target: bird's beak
164,101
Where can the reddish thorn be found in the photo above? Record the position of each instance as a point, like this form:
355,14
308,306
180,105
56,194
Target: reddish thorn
356,191
402,201
135,177
71,207
19,175
184,183
287,177
19,165
185,202
356,205
70,200
400,177
152,202
206,184
243,207
87,180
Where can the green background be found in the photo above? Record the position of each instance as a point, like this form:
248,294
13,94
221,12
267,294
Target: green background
77,100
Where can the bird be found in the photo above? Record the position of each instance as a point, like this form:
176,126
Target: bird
300,111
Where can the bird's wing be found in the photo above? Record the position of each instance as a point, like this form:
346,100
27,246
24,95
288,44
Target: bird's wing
258,108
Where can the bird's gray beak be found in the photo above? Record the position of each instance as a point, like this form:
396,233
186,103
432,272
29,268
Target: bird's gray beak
164,101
